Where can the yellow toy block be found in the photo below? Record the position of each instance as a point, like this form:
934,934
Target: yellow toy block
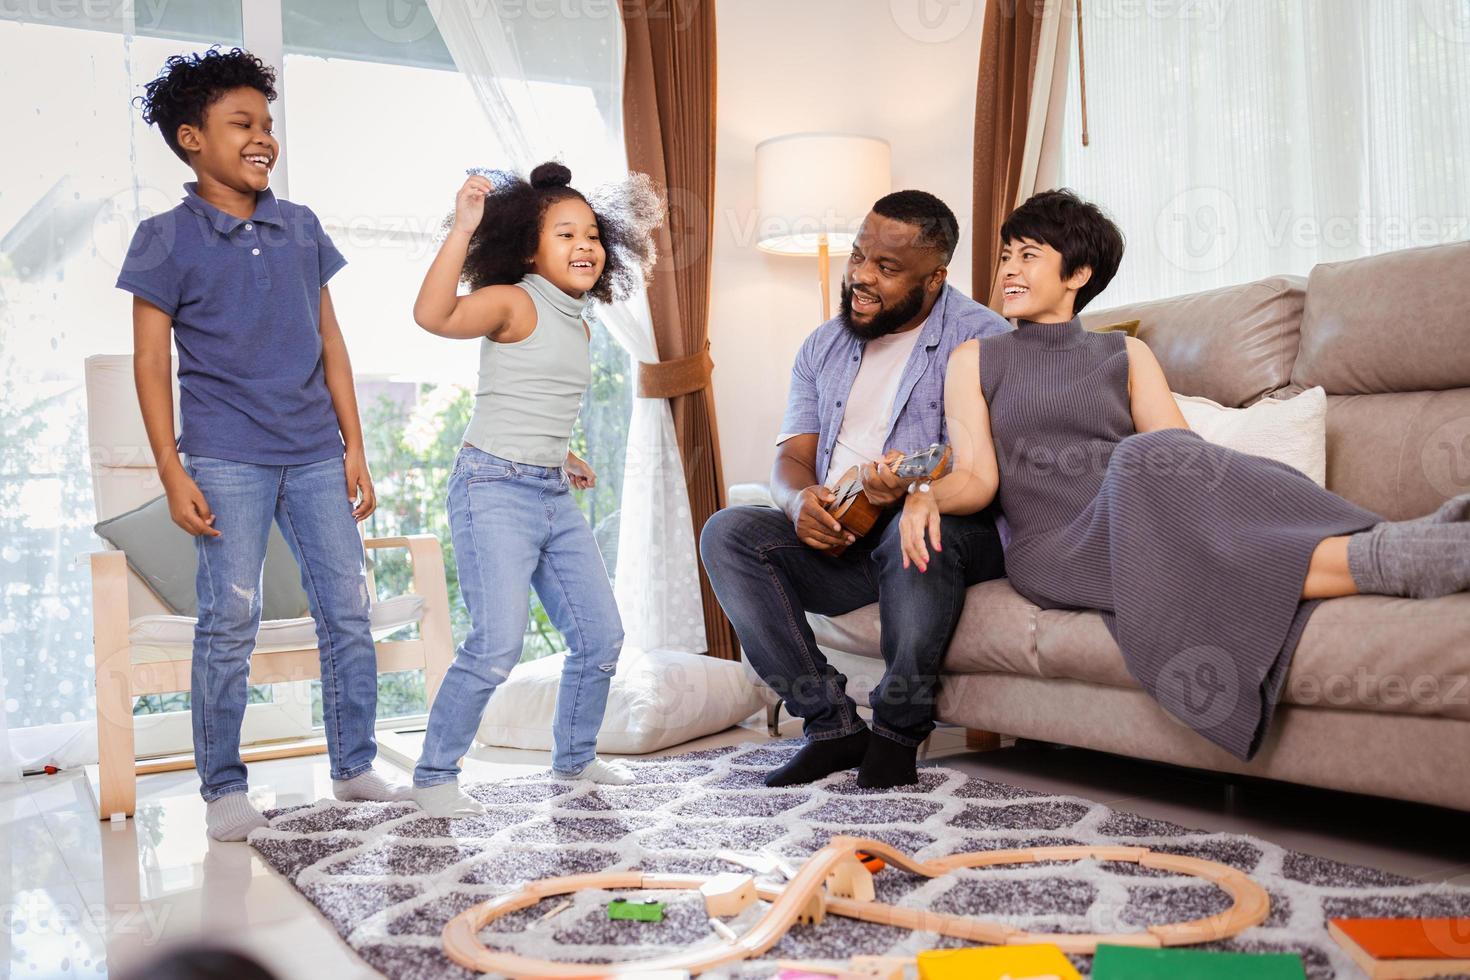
1043,962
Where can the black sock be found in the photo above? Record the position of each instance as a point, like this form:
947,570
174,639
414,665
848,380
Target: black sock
888,764
821,758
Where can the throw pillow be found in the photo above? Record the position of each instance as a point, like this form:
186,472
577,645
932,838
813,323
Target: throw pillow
162,554
1293,431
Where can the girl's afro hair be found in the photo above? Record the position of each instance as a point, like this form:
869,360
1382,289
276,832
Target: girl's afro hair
627,213
188,84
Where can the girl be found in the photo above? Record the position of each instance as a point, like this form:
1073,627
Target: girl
533,253
1202,560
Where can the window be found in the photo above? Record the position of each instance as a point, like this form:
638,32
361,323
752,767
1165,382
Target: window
378,130
1236,141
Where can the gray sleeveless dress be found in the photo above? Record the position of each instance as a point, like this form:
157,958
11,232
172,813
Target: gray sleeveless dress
1195,554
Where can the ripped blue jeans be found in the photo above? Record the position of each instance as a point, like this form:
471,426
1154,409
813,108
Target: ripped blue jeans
309,501
516,527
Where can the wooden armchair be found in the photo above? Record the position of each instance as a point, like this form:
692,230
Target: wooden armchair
140,649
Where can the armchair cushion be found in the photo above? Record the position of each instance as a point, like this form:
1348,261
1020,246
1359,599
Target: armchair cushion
158,638
162,554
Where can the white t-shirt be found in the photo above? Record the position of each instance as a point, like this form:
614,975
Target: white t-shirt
870,403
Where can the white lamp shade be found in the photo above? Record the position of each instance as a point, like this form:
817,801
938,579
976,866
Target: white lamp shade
812,184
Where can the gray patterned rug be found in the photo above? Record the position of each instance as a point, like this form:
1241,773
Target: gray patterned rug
389,878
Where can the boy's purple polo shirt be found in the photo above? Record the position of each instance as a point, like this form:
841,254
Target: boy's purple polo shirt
245,298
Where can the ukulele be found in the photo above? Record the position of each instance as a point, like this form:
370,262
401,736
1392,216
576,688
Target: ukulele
851,506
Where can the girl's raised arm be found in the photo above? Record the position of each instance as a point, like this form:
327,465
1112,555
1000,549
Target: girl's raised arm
439,308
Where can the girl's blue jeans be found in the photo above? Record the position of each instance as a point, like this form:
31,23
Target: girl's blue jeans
516,527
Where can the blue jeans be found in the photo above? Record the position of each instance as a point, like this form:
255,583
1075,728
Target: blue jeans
309,502
767,580
516,527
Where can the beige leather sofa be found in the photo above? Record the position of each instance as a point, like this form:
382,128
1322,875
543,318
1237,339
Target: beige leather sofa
1378,695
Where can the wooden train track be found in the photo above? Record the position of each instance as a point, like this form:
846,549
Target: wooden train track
833,881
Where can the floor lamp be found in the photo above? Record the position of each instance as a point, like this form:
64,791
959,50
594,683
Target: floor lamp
813,190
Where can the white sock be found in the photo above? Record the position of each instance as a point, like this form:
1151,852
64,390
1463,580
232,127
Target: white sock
371,787
232,817
446,800
598,771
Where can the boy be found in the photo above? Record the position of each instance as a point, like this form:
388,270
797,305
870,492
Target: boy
270,425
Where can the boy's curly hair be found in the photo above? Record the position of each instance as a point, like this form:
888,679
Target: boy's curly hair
502,247
188,84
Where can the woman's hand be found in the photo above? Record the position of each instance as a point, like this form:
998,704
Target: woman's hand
469,204
578,471
360,485
920,516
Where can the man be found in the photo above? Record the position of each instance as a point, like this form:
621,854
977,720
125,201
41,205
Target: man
866,383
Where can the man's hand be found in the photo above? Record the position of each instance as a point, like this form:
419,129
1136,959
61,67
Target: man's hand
186,503
360,485
814,526
580,472
880,485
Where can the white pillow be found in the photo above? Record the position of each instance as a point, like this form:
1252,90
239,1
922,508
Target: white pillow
657,699
1293,431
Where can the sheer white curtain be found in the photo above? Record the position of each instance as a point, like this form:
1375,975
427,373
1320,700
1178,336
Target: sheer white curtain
511,56
1234,140
9,767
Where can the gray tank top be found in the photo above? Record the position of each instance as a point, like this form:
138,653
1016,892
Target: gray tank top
530,392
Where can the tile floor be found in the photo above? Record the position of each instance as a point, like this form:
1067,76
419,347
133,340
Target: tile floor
93,899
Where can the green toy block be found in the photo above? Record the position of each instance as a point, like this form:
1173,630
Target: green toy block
622,908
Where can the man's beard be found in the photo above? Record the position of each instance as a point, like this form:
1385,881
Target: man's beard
886,320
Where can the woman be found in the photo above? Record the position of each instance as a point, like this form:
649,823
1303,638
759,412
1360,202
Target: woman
1204,562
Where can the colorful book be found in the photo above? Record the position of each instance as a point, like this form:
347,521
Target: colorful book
1390,949
1141,963
1041,962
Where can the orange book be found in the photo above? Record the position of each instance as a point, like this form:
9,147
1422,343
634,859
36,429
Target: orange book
1390,949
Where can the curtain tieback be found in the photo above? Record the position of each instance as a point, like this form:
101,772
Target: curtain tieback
670,379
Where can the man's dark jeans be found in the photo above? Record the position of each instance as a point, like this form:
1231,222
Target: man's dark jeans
767,579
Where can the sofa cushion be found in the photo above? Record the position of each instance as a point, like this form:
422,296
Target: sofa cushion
1371,653
1232,345
1399,455
1360,336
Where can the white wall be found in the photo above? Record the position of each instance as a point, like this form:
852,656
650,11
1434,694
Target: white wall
903,70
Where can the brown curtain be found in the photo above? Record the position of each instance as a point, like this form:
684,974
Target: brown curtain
669,128
1002,105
